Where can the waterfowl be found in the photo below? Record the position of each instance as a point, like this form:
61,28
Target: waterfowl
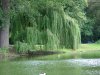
42,74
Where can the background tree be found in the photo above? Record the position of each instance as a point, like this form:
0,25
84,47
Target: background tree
91,29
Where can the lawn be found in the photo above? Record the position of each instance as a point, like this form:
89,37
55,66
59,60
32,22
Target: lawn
85,51
85,47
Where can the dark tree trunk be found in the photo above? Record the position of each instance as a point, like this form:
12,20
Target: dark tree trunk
4,30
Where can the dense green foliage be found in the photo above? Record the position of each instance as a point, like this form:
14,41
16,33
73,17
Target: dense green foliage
46,24
91,30
50,24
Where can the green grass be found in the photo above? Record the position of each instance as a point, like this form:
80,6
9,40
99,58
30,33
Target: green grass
87,47
85,51
89,51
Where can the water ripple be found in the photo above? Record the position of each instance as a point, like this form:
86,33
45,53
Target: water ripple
85,62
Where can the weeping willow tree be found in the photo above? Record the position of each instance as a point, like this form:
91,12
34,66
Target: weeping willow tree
50,24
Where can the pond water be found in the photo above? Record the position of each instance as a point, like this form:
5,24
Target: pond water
50,67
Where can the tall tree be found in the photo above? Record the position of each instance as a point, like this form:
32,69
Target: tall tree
4,29
51,23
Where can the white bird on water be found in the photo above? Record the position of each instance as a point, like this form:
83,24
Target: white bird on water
42,74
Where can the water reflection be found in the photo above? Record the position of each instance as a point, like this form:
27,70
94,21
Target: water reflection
51,67
86,62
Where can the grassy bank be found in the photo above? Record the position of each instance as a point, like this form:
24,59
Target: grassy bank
89,51
6,54
85,51
87,47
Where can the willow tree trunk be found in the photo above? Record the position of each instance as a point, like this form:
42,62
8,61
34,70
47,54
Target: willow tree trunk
4,30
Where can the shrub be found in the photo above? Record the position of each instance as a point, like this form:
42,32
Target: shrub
97,42
22,47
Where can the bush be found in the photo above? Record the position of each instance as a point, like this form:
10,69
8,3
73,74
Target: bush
97,42
22,47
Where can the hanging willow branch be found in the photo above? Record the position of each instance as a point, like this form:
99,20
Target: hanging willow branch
49,27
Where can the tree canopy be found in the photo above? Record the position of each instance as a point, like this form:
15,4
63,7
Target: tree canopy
51,24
